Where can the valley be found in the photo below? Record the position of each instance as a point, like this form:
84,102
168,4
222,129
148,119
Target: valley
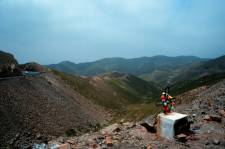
60,104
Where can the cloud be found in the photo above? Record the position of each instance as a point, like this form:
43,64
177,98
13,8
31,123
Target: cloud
85,30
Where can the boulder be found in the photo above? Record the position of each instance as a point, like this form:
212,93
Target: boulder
65,146
110,129
215,118
149,127
222,113
108,141
207,118
216,142
182,137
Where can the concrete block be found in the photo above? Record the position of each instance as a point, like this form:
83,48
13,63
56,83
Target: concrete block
171,124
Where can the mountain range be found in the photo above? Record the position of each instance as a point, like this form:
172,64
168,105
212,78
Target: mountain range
70,99
159,69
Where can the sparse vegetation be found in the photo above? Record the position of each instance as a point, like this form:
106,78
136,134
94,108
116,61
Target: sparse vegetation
71,132
184,86
113,93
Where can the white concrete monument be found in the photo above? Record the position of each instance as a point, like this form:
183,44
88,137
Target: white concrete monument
171,124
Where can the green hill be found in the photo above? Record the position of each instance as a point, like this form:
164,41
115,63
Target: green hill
184,86
121,93
199,69
112,90
135,66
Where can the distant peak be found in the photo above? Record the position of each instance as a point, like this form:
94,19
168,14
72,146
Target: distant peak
67,62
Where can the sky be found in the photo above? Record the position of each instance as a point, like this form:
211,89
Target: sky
50,31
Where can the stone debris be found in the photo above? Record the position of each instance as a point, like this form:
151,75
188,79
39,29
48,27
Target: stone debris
216,142
206,130
215,118
182,137
65,146
149,127
222,113
108,140
110,129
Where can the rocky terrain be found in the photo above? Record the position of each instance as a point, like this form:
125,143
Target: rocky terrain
43,108
39,108
205,107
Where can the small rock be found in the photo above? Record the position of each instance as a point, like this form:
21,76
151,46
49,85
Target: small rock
150,128
147,146
108,141
53,146
129,125
94,146
65,146
222,113
71,142
110,129
38,136
17,135
203,112
104,146
11,141
216,118
121,121
182,137
117,129
197,127
207,142
216,142
207,118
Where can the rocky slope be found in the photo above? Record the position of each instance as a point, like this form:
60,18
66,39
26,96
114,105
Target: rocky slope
38,108
7,58
8,65
206,114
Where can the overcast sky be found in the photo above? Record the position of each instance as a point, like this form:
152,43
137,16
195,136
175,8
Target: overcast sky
50,31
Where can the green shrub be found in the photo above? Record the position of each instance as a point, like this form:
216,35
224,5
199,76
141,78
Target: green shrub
71,132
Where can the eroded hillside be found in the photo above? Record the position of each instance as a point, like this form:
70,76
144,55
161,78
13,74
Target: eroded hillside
41,107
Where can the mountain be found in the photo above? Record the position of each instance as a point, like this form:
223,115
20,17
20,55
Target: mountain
8,65
47,104
159,69
113,90
40,107
187,85
199,69
7,58
135,66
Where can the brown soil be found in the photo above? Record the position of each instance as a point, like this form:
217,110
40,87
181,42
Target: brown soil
40,108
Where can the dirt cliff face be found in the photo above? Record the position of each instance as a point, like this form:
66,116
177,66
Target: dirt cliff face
41,107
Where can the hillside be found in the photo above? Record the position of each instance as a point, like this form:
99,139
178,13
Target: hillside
159,69
7,58
199,69
37,108
186,85
121,93
8,65
204,132
135,66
